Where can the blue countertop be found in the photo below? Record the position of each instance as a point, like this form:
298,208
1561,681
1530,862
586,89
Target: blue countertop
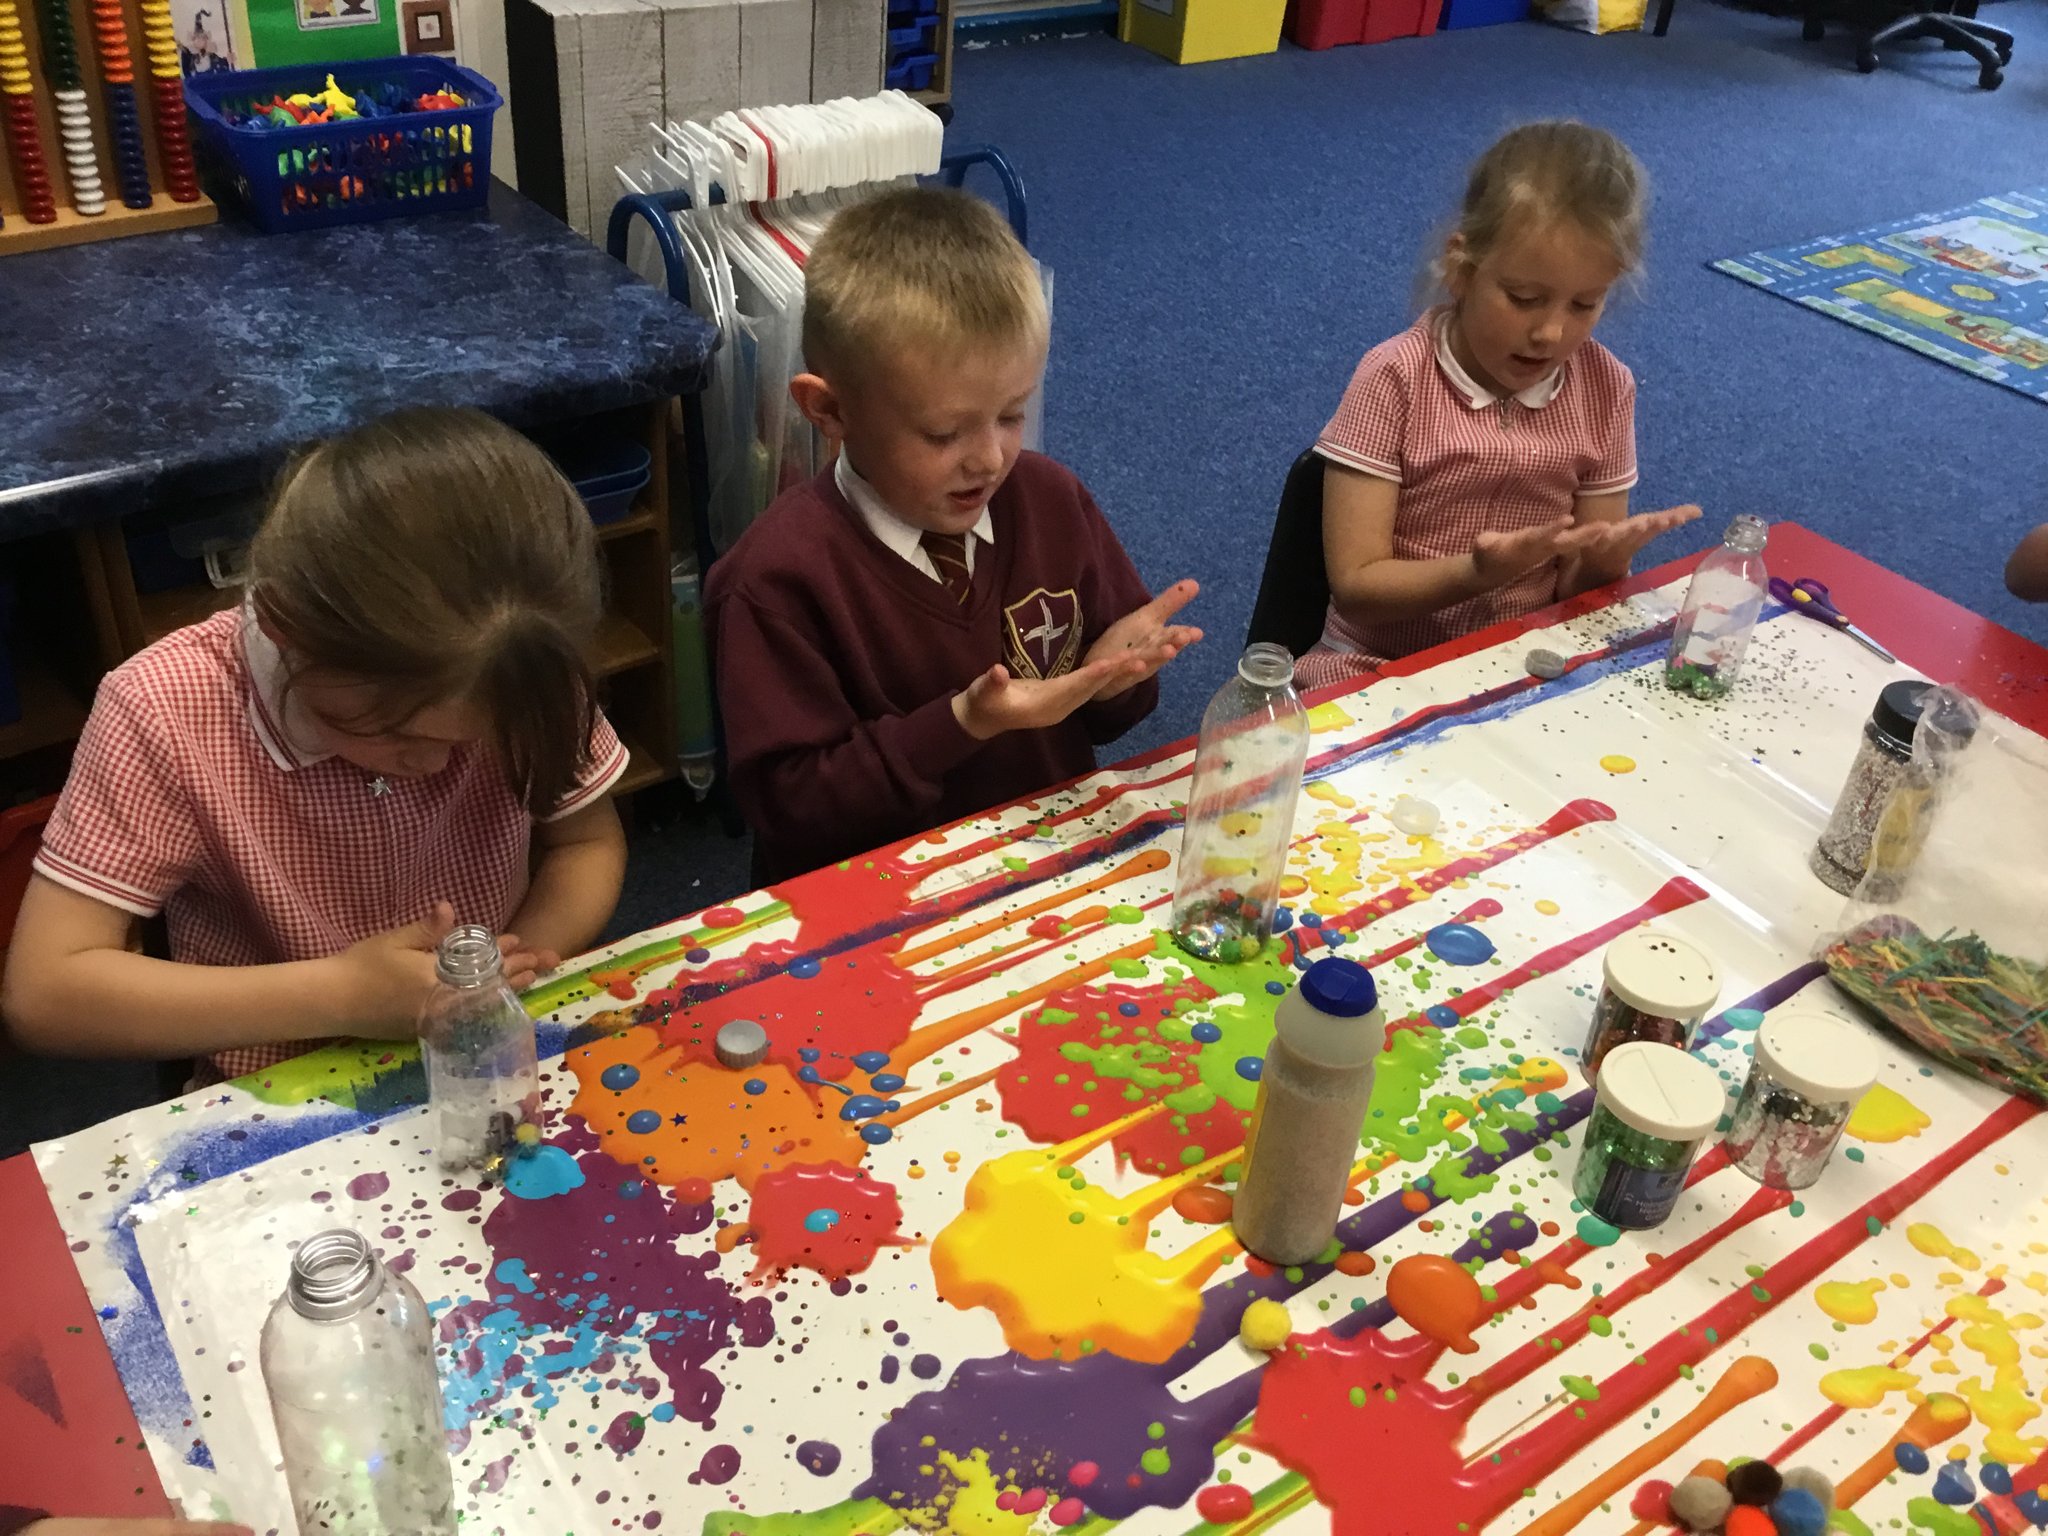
142,371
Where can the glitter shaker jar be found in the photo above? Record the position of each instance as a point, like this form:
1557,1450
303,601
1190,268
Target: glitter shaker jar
1843,852
1657,987
1654,1105
1810,1069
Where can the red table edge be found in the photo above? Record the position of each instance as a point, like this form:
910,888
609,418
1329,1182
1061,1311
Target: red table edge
1947,642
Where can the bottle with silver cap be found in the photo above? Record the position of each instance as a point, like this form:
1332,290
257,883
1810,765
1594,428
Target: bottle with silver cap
483,1070
348,1358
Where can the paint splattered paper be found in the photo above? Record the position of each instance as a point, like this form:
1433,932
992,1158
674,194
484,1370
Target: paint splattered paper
955,1257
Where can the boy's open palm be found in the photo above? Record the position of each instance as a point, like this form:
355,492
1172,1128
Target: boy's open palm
1146,635
385,978
996,702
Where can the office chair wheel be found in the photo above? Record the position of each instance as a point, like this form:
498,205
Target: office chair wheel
2004,53
1866,61
1990,77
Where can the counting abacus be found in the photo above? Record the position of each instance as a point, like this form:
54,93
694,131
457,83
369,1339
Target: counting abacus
88,155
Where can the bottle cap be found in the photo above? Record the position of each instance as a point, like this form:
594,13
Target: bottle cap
1660,1091
1659,973
1897,713
1340,987
1822,1055
741,1043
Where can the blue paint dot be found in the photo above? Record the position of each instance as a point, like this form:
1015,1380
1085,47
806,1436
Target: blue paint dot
1952,1485
807,1053
1205,1032
1277,988
1337,938
1997,1479
823,1219
808,1074
885,1082
1250,1068
862,1106
1128,1010
1283,919
874,1133
2034,1506
804,967
540,1173
695,956
662,1412
1311,919
619,1077
1910,1457
1458,944
110,1313
1442,1015
871,1061
629,1189
641,1121
754,1085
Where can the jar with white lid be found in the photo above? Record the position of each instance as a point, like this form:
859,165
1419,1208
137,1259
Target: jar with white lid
1654,1106
1810,1070
1656,987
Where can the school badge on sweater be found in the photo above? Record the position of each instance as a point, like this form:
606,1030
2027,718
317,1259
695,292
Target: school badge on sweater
1042,633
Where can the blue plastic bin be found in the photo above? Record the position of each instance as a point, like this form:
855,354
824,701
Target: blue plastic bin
317,175
920,37
903,12
912,73
1482,13
607,475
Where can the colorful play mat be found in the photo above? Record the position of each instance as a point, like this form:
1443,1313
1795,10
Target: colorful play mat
1968,288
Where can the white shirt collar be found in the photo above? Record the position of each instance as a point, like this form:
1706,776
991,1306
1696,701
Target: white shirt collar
1477,395
904,539
270,708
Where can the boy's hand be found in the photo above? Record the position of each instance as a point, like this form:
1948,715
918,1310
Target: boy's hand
1144,633
1611,545
996,702
382,981
1498,558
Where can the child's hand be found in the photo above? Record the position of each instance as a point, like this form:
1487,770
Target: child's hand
112,1527
1498,558
1611,545
1144,633
383,980
996,702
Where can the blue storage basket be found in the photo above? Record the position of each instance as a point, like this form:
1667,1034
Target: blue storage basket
1482,13
316,175
913,73
919,37
608,475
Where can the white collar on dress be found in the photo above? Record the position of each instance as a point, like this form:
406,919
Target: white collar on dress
1477,395
904,539
269,706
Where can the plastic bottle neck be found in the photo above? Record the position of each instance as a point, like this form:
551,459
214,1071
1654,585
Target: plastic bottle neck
1746,535
1266,666
333,1275
468,957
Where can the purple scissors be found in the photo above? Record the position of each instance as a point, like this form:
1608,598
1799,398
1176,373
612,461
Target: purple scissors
1810,597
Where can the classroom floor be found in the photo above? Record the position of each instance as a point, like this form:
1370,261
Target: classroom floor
1227,239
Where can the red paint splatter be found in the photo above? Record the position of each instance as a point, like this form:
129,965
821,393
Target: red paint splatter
1437,1296
625,1432
865,1209
462,1200
720,1464
1069,1511
1051,926
1204,1203
1356,1263
723,917
1223,1503
494,1475
1083,1473
368,1186
1414,1199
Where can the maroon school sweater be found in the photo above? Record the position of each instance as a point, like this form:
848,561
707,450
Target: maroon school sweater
837,661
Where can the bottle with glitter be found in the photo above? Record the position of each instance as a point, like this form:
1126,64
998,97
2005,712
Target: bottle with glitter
1719,613
1240,813
1656,987
1842,855
1810,1069
483,1070
348,1359
1314,1087
1654,1105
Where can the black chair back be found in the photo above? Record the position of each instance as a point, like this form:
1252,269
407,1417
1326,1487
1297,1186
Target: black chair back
1294,592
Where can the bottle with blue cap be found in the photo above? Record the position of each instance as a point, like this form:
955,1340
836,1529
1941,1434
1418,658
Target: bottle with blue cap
1306,1128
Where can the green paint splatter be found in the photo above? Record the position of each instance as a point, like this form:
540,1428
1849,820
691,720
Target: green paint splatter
1929,1514
1597,1233
1450,1179
378,1075
1599,1324
1472,1037
1156,1461
1124,968
1818,1351
1123,912
1854,1154
1014,864
1057,1017
1580,1388
848,1519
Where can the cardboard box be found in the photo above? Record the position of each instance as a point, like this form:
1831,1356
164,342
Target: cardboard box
1197,31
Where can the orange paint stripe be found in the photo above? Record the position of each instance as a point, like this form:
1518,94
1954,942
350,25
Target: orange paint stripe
1090,921
1941,1417
1751,1376
944,1095
1149,862
930,1038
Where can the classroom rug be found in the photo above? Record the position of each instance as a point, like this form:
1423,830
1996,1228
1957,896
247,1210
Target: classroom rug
1968,287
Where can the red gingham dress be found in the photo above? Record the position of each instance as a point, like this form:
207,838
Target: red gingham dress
1468,460
187,797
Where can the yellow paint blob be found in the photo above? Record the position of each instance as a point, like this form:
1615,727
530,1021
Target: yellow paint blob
1329,794
1930,1240
1328,717
1886,1115
1265,1325
968,1504
1548,907
1615,762
1865,1386
1062,1263
1849,1301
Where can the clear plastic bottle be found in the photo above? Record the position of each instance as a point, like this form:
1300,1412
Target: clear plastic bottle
1240,813
348,1358
1719,615
483,1070
696,737
1314,1089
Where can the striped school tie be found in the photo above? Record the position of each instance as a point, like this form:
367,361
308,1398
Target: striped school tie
948,552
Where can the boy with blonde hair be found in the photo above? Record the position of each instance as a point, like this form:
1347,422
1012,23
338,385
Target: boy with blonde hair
940,622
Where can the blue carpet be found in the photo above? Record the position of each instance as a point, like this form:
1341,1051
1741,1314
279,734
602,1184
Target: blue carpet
1228,238
1968,287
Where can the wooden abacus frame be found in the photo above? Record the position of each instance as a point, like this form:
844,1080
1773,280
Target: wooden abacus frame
70,226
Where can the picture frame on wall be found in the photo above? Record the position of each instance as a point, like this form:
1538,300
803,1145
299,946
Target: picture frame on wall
428,26
315,15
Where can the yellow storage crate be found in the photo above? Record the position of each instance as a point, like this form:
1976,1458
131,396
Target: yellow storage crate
1197,31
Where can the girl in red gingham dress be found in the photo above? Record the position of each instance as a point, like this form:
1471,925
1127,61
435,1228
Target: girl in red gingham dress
1480,463
394,732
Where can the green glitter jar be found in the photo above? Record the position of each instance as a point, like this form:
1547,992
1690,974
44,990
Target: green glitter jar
1654,1106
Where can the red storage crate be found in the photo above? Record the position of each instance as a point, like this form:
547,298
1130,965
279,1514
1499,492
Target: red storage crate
1388,19
1325,23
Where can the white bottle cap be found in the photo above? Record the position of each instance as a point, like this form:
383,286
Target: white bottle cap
1659,973
1821,1055
1661,1091
739,1044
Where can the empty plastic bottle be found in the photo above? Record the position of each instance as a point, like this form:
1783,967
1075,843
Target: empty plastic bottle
1719,615
483,1070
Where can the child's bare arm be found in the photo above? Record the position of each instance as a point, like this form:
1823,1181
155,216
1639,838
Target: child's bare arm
1604,540
74,987
2026,573
579,868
